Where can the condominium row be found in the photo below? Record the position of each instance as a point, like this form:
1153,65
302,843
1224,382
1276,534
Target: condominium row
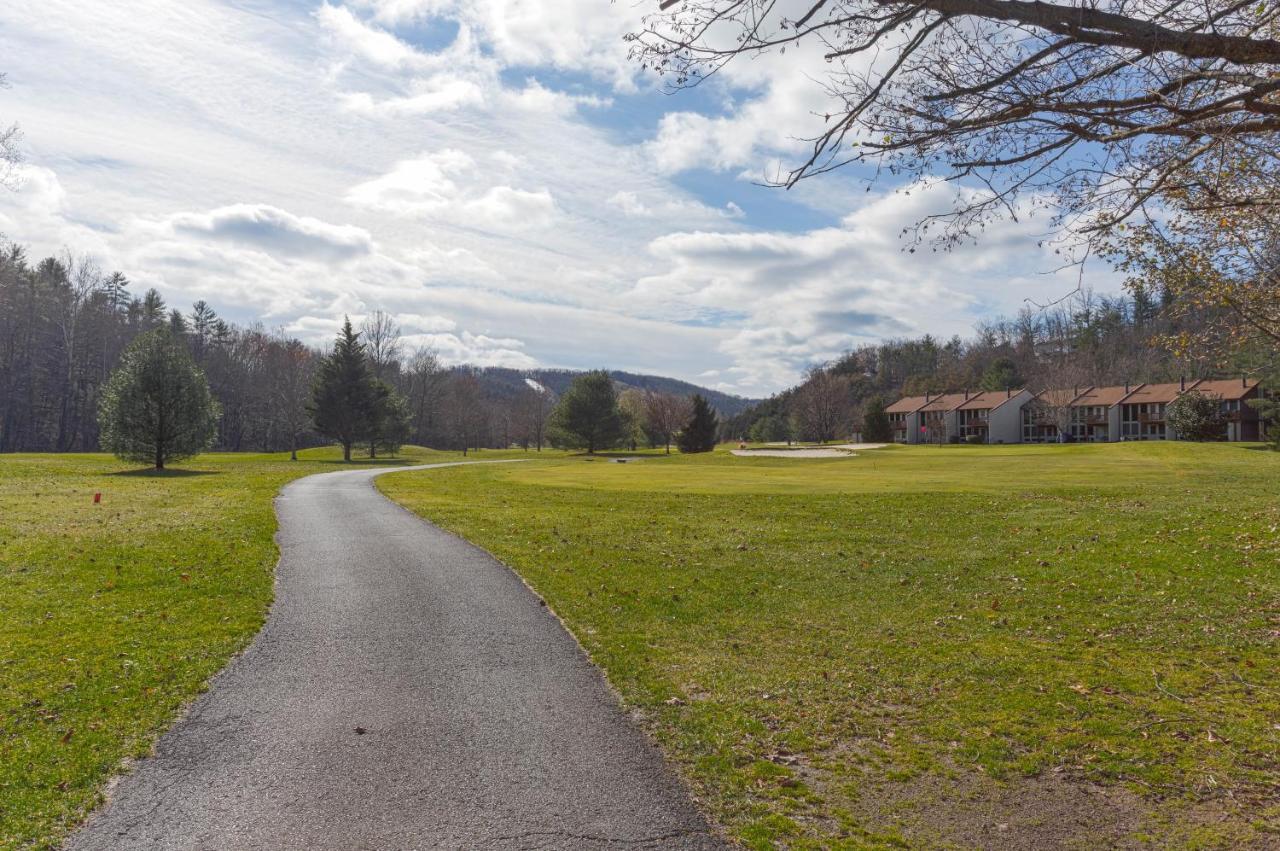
1085,414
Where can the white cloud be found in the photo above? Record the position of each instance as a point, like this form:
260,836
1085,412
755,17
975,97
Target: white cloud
678,211
274,231
504,207
370,43
449,184
475,349
567,35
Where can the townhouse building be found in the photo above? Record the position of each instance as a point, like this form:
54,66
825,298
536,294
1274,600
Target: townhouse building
904,418
1079,414
993,416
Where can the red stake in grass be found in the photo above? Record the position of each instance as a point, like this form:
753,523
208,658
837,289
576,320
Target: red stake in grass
97,498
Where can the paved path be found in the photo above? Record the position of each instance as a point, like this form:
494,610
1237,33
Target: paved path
408,691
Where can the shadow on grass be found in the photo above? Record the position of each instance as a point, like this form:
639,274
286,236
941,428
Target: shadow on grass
152,473
371,462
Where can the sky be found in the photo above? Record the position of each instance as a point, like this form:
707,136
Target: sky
498,174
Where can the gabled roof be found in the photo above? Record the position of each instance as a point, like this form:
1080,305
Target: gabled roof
1227,388
1158,392
989,400
945,402
908,405
1101,396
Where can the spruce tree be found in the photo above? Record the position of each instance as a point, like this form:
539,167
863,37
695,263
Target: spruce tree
342,402
699,434
588,415
156,406
388,421
875,422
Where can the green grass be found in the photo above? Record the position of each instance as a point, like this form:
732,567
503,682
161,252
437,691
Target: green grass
817,641
113,616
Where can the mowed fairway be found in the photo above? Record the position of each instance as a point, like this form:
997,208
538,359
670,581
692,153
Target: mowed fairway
112,616
1030,646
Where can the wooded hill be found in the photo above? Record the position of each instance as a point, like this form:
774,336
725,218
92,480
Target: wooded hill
501,382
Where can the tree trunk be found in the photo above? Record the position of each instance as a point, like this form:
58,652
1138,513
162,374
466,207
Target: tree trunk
159,457
346,452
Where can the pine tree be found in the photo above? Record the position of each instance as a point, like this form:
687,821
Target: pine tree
699,434
588,414
875,422
116,290
156,406
1002,374
343,399
388,420
152,308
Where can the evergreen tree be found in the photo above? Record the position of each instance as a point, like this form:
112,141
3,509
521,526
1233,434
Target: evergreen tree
875,422
1001,374
156,406
773,428
115,288
588,414
699,434
388,420
152,308
342,401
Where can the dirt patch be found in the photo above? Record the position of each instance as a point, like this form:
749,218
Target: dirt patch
966,809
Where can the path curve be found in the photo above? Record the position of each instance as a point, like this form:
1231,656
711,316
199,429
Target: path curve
484,724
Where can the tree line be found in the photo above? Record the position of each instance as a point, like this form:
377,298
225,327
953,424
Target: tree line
67,327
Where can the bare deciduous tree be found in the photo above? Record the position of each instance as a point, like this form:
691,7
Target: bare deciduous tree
381,335
10,155
665,414
1059,380
532,409
424,386
292,368
466,410
1092,107
821,404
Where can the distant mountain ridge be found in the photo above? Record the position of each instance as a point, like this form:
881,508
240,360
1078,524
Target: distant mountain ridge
501,382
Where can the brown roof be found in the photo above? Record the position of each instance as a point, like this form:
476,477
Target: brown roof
1227,388
907,405
990,400
1104,396
1157,392
945,402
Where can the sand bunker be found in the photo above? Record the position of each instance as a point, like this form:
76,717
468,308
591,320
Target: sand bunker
843,450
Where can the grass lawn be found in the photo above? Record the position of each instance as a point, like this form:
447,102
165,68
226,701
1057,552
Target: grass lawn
1024,646
113,616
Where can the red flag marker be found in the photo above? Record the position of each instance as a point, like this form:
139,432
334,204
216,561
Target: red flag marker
97,498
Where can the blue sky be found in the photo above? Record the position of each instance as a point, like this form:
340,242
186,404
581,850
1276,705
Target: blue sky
497,173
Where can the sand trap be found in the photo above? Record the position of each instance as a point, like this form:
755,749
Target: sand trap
843,450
